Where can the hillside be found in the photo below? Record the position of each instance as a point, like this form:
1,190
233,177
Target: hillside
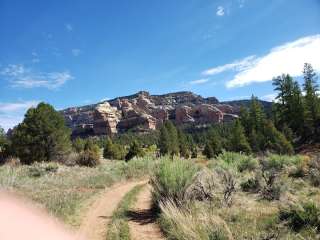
143,112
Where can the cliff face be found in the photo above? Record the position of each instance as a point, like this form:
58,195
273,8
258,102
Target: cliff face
144,112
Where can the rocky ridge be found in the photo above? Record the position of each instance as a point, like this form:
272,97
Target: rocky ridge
144,112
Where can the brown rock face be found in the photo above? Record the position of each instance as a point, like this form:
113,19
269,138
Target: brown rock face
105,119
144,112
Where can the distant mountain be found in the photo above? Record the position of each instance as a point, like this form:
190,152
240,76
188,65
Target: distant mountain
246,103
143,112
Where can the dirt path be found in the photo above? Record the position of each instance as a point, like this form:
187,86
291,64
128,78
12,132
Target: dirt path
94,225
142,222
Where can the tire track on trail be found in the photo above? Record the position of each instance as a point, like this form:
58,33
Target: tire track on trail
142,220
97,217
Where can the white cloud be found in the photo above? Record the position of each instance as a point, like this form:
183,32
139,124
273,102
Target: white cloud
220,11
199,81
76,52
237,65
69,27
269,97
287,58
22,77
12,113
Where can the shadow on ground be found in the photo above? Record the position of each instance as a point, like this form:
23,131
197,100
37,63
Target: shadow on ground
142,216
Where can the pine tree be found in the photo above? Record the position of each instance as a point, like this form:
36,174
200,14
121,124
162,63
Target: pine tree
311,89
42,136
214,140
3,145
256,115
275,140
164,141
108,149
183,144
168,139
238,141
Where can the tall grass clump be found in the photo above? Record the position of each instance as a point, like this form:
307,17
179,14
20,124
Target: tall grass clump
171,179
238,161
302,216
196,223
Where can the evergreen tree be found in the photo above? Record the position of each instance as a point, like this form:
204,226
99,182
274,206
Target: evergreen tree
108,149
311,89
289,111
238,141
3,145
42,136
168,140
214,140
208,150
256,115
183,144
135,150
245,120
164,141
275,140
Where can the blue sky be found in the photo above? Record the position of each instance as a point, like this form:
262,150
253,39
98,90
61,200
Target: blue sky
72,53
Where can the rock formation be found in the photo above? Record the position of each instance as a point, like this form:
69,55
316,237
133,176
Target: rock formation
144,112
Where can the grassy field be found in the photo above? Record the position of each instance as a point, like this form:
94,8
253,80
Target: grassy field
64,190
239,197
233,196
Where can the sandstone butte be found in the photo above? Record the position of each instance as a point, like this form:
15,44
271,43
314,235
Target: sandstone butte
143,112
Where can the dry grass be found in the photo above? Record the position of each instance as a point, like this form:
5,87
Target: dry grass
194,223
64,190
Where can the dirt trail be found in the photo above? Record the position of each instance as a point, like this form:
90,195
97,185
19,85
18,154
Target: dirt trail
94,225
142,220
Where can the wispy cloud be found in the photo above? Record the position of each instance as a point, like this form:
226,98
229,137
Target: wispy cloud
286,58
238,65
11,113
22,77
220,11
199,81
269,97
76,52
68,27
35,57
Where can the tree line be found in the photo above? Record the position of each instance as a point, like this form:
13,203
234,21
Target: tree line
295,120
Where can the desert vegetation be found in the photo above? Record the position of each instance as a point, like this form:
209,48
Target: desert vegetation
247,179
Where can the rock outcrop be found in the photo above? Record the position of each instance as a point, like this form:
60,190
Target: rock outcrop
144,112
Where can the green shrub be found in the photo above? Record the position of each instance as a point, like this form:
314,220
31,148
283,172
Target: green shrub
78,144
135,150
247,164
300,216
113,151
237,161
90,157
171,179
250,185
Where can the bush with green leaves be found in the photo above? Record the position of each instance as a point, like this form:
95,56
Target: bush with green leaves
135,150
301,216
78,144
113,151
171,179
250,185
42,136
90,156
